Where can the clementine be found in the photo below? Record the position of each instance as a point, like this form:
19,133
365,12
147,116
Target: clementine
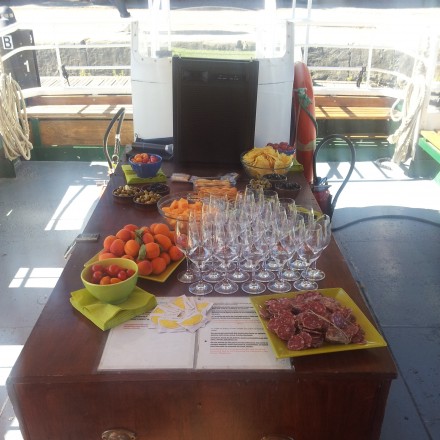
147,238
117,247
152,250
125,234
104,255
175,253
145,267
131,227
166,257
108,241
132,248
161,228
163,241
159,265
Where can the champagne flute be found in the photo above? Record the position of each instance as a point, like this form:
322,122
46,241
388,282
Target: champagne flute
308,251
307,213
267,237
312,273
225,249
281,251
254,252
198,253
187,276
296,231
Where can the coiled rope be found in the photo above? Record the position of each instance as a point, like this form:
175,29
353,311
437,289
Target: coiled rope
403,137
14,126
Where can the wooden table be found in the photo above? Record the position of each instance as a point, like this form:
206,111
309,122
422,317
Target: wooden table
57,392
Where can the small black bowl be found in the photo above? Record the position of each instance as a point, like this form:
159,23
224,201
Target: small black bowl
287,189
158,188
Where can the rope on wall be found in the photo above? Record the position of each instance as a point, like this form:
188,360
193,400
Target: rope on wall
14,126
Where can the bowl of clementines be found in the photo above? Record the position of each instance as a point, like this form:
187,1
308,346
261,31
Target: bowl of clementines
111,280
145,165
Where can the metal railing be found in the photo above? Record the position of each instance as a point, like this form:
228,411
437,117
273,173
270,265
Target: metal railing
309,34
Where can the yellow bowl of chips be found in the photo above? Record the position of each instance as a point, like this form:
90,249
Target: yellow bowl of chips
266,160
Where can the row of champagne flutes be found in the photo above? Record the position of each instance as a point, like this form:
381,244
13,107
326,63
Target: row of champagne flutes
257,240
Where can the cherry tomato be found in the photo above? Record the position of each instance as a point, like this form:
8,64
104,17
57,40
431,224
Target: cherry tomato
130,272
113,270
114,280
96,276
122,275
97,267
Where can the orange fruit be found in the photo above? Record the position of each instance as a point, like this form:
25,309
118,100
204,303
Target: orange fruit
145,267
160,228
132,248
166,257
117,247
104,255
175,253
159,265
147,238
163,241
152,250
108,241
152,226
173,237
105,280
128,257
131,227
124,234
144,229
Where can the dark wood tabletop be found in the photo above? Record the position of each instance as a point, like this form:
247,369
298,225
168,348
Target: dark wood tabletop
57,368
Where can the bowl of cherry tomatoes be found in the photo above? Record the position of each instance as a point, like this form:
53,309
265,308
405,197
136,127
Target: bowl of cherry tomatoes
145,165
111,280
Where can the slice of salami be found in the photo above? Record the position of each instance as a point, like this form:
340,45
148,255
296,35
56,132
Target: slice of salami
317,307
312,322
285,332
296,343
336,336
307,339
339,319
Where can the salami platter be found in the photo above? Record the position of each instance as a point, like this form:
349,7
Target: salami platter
315,322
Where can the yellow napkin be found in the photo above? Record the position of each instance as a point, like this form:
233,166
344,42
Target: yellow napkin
132,178
107,316
181,314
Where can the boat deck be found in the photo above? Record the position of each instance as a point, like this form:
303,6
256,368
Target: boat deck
386,224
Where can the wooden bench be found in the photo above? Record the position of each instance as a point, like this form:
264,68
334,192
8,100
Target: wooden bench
64,120
358,117
353,107
76,120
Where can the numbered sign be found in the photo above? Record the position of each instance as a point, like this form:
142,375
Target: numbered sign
23,65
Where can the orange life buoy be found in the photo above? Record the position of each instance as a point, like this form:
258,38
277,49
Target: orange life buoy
303,133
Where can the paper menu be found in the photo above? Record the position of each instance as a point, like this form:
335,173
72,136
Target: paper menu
235,339
232,339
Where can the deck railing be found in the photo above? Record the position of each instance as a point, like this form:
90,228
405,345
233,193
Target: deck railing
310,34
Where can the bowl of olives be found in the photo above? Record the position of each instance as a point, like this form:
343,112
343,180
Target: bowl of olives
125,193
146,200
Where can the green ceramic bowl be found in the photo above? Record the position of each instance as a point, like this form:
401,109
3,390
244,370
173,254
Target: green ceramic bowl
111,293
